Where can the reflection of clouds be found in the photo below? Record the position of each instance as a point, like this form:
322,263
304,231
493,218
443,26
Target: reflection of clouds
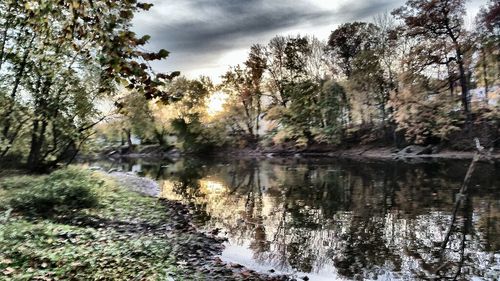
354,223
209,186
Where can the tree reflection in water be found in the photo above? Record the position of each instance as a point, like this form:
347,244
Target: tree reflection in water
352,220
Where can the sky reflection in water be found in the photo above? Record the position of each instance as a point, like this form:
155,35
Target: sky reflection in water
343,219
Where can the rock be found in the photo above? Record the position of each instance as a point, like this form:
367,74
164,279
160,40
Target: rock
406,150
413,150
246,274
175,153
426,150
236,265
135,183
436,149
113,170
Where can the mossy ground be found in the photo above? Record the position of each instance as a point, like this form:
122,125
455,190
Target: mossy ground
126,237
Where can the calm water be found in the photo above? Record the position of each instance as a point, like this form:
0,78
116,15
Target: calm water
342,220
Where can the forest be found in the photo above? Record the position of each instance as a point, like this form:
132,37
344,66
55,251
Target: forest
74,76
419,75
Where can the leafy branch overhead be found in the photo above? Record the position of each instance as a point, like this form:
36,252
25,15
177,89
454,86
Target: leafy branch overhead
66,56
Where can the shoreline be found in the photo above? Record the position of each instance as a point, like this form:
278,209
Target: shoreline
212,246
125,231
359,153
384,153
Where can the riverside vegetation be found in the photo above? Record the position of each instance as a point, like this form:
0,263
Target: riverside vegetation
79,225
420,75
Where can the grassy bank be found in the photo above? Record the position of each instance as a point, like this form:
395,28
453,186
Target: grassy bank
81,225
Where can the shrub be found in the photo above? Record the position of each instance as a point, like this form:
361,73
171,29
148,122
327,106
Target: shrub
64,190
18,182
423,115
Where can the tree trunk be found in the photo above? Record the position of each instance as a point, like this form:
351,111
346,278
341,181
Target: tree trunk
463,83
12,138
450,79
2,45
485,74
347,107
257,122
40,123
160,137
13,94
37,140
128,134
248,120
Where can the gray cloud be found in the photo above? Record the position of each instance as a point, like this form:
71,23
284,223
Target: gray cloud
199,32
217,25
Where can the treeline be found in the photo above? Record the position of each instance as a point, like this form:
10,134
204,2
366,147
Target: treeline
58,60
403,78
409,72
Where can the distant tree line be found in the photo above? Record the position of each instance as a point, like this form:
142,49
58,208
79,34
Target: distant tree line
409,72
405,77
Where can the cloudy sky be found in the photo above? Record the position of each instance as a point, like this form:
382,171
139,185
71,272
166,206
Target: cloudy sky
207,36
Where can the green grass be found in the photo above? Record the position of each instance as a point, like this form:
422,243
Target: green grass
63,191
43,249
117,235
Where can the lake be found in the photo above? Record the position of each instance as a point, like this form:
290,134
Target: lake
332,219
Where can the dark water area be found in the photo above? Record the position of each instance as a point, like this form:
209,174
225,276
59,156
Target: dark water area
342,219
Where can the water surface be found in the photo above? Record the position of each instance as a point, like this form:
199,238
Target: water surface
341,219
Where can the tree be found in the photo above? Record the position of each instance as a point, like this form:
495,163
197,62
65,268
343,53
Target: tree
187,116
349,40
489,17
316,65
439,21
256,65
370,89
287,59
238,84
244,86
423,114
313,115
487,35
137,118
275,57
345,44
64,56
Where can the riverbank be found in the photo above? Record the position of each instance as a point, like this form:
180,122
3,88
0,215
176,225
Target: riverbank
411,152
119,234
385,153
